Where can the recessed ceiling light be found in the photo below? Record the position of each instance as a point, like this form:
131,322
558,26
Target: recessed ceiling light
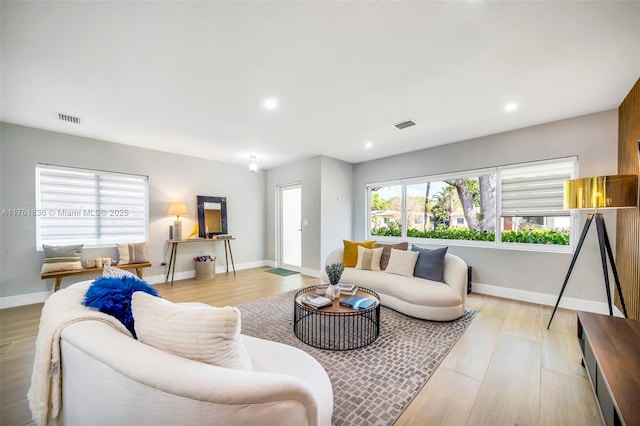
368,145
511,106
270,103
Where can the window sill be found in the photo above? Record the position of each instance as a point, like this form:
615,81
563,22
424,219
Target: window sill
544,248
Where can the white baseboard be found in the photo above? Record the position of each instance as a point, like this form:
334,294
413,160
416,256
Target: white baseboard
220,269
311,272
41,297
545,299
508,293
24,299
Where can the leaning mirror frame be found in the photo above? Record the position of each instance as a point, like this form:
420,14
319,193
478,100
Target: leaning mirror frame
202,226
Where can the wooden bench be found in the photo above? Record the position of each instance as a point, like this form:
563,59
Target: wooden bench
59,275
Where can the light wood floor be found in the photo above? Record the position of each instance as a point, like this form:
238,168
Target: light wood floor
507,368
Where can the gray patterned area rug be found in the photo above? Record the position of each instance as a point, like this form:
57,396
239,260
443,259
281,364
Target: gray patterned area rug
374,384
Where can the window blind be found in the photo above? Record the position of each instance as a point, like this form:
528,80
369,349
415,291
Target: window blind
80,206
535,189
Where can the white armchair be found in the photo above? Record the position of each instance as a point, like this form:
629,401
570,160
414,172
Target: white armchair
109,378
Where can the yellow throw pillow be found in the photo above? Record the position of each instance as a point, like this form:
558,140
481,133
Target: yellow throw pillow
350,258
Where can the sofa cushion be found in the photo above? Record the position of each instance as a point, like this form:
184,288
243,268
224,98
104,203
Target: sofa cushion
430,263
402,262
196,331
350,258
61,258
132,253
384,260
113,296
369,259
414,290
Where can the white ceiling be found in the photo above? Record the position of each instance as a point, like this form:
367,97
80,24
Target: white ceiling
190,77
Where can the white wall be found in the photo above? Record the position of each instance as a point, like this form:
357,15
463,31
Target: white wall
532,275
336,205
171,178
326,206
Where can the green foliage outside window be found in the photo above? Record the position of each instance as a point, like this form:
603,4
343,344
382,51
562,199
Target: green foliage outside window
453,234
534,236
537,236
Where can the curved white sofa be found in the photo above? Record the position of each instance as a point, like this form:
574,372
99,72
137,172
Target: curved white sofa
413,296
109,378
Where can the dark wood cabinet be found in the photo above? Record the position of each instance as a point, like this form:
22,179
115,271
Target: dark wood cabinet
611,355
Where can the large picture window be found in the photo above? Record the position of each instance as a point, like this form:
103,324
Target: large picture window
80,206
456,207
515,206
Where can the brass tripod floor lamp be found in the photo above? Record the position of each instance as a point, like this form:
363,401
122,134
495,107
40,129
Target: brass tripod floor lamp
600,192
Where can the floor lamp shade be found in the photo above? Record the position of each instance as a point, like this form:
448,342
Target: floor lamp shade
601,192
178,209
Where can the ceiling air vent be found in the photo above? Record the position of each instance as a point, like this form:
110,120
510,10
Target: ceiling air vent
68,118
405,124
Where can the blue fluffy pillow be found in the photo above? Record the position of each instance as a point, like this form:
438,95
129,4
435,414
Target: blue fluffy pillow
113,296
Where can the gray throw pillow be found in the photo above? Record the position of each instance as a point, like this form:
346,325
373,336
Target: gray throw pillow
61,258
430,264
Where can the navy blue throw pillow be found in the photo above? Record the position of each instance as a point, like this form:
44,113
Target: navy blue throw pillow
430,263
113,296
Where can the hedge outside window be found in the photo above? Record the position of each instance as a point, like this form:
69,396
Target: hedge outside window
516,206
90,207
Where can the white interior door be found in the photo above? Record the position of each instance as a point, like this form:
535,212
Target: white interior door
291,226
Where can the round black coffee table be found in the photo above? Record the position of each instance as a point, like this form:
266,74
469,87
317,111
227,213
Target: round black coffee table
336,327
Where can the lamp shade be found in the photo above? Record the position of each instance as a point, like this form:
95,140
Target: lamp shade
601,192
178,209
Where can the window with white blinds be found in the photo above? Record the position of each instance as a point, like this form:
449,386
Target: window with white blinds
535,189
91,207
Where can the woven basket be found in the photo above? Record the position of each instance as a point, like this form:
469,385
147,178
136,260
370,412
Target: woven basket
205,270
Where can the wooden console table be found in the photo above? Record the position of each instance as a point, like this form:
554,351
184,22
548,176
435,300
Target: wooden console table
611,354
174,251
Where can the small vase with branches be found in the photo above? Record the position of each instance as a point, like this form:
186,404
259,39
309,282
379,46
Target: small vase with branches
334,272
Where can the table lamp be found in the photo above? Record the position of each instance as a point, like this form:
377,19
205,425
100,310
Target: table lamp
599,192
178,209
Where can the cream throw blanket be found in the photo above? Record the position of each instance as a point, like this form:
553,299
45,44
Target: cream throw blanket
62,308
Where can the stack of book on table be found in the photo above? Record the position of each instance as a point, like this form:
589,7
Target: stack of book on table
348,289
316,302
358,302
